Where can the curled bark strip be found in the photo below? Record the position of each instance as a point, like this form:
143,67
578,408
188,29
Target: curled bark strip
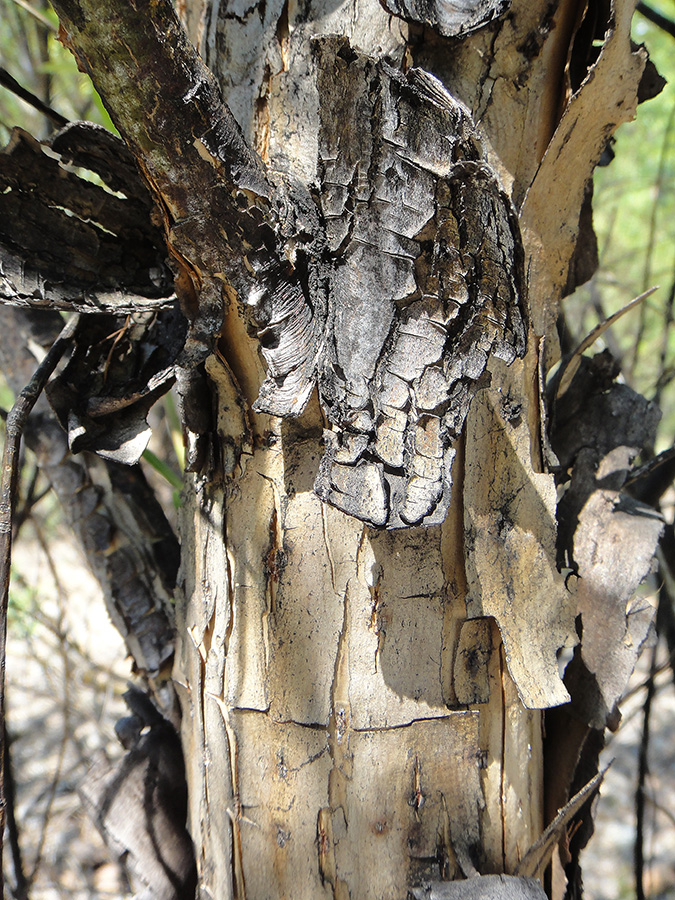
26,287
119,368
414,247
451,18
598,427
140,804
112,510
189,148
482,887
67,241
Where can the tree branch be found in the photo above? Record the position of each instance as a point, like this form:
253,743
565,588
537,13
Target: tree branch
24,286
9,82
191,151
68,243
113,512
657,18
640,793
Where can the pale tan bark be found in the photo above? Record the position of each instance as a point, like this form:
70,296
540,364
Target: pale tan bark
322,654
339,741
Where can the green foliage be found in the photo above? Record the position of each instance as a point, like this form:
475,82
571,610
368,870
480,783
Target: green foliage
23,602
167,473
31,53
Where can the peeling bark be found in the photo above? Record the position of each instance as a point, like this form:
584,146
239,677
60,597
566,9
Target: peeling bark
427,284
449,19
127,540
490,887
68,243
140,804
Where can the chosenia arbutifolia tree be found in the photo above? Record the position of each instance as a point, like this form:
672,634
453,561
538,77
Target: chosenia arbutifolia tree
343,232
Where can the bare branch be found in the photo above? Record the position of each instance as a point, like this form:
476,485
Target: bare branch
640,793
69,243
657,18
9,82
189,148
21,882
25,287
114,514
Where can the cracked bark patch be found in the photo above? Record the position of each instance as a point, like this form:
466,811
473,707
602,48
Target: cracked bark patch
456,19
420,282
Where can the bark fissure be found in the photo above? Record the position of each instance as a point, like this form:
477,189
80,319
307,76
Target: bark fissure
503,780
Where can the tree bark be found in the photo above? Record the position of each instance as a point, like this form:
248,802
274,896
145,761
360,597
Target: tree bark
362,728
370,612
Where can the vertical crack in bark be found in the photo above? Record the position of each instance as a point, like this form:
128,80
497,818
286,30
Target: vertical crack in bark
375,624
235,814
326,540
503,673
283,36
339,730
274,566
485,98
449,19
229,625
262,117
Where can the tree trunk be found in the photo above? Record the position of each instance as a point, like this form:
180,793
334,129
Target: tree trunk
350,722
371,612
318,665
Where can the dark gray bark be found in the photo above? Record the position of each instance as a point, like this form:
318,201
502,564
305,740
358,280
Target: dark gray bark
127,540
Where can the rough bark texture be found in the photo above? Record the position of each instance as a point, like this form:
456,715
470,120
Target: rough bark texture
388,215
326,687
67,242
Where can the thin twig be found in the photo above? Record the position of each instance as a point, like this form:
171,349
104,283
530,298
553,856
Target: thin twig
570,367
118,682
643,767
643,685
37,15
66,727
9,82
16,421
662,380
21,882
663,809
665,456
663,22
610,341
23,512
